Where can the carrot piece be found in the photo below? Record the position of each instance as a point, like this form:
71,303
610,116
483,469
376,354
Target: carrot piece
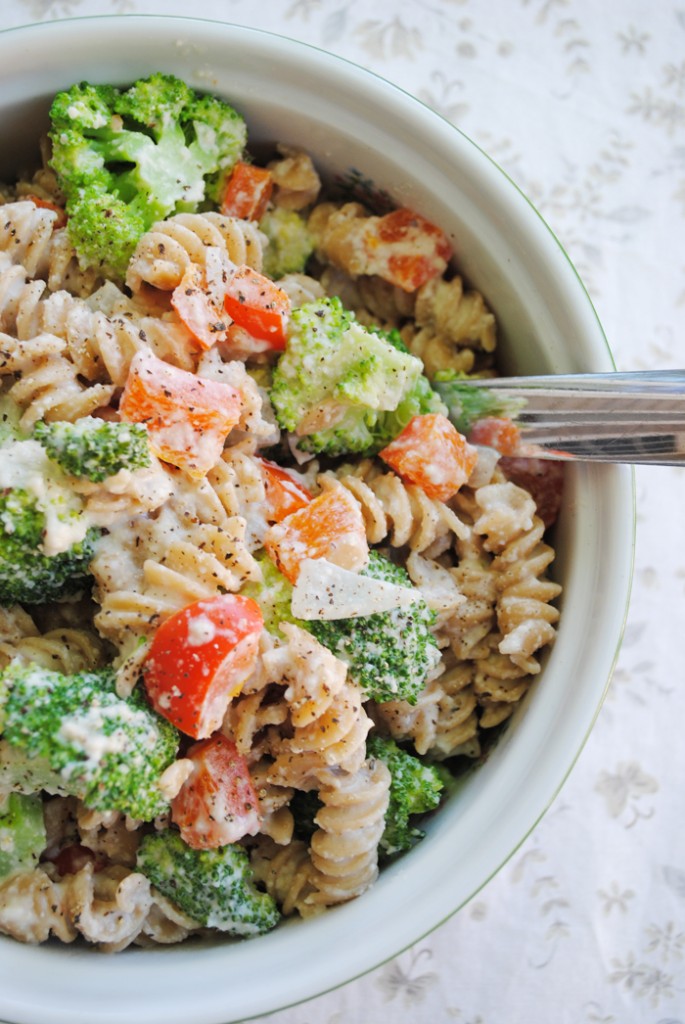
431,453
247,192
188,418
218,803
405,249
331,526
258,305
284,492
496,432
191,300
199,659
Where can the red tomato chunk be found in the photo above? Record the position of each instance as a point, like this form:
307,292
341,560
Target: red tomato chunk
218,803
199,659
259,306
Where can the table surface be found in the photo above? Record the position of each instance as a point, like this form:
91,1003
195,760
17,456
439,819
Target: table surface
583,104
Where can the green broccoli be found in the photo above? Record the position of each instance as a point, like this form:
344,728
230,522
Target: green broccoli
93,448
273,595
127,158
290,243
466,404
415,788
343,388
214,887
22,833
389,654
45,545
93,744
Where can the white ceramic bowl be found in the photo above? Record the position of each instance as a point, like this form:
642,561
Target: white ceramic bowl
346,117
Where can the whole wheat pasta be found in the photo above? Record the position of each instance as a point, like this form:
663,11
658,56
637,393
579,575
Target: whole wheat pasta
296,180
171,245
61,650
350,823
398,513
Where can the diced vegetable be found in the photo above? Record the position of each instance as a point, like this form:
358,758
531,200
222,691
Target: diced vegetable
331,526
258,305
405,249
326,591
431,453
192,302
199,659
187,417
284,492
22,833
496,432
247,192
218,803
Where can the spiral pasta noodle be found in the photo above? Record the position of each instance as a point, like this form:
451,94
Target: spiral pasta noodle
328,722
396,512
48,385
171,245
61,650
296,180
147,568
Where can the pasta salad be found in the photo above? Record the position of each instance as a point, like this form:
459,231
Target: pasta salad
267,582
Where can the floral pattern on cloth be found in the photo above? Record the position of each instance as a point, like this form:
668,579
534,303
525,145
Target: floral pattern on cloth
583,105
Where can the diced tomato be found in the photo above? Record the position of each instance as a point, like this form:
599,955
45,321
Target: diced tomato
496,432
544,481
218,803
247,192
199,659
331,526
187,417
258,305
405,249
431,453
284,492
46,204
191,300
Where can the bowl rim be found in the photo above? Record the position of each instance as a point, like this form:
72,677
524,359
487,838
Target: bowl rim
621,479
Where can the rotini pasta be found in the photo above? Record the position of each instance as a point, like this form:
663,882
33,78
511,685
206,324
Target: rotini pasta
164,252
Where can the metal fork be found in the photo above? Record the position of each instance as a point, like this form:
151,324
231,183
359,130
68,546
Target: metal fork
636,417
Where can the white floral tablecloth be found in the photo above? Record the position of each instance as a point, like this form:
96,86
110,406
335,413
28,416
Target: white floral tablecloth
583,104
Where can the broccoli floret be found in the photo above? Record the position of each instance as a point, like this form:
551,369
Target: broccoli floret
45,545
22,833
342,387
126,158
290,243
215,887
93,448
467,404
415,788
389,654
108,751
273,595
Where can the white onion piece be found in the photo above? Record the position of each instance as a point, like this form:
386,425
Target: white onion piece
326,591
